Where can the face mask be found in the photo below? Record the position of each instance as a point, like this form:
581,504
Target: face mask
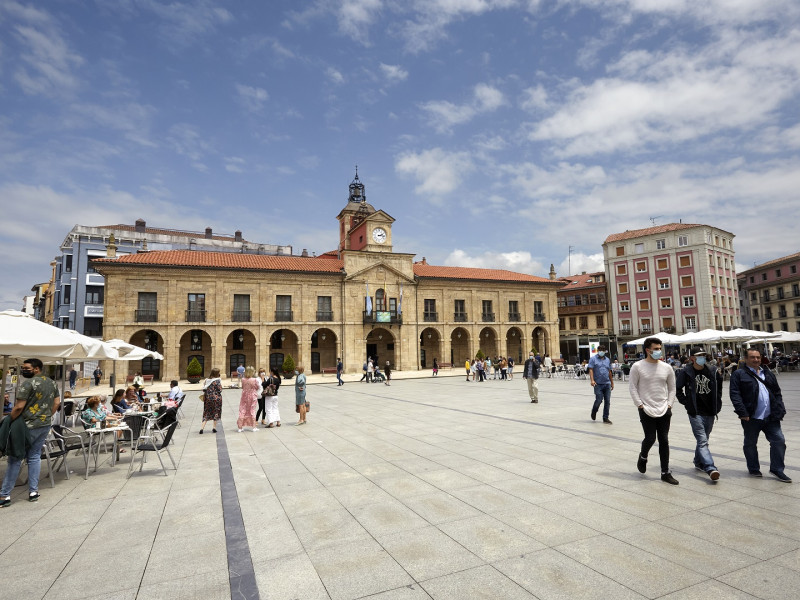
601,353
297,372
701,360
657,354
27,374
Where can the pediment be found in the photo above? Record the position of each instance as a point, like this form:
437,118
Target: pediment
370,272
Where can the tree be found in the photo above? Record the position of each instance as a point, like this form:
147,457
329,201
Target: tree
195,369
288,364
480,355
533,349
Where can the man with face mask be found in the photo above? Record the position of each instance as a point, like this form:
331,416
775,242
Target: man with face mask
531,374
652,387
599,370
699,389
37,401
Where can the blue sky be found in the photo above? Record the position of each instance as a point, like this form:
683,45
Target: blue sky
497,133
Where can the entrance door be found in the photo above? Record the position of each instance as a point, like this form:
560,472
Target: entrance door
372,350
315,362
151,366
422,358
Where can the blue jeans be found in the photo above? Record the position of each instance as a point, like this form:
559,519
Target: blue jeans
339,377
602,393
777,443
34,458
701,428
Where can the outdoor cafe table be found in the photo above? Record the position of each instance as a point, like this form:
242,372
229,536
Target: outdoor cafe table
97,431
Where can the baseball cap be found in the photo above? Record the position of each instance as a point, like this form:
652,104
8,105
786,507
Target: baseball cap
697,351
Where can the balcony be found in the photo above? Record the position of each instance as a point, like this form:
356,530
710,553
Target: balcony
487,317
514,317
284,315
625,331
383,316
582,308
460,317
782,314
195,316
146,316
645,330
430,317
797,312
539,317
241,315
324,315
670,329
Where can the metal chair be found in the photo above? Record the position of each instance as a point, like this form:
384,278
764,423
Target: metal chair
149,442
69,440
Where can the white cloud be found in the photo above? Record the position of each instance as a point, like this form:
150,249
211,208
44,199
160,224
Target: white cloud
355,16
334,75
183,22
578,263
252,98
534,98
234,164
444,115
519,261
394,72
185,139
437,171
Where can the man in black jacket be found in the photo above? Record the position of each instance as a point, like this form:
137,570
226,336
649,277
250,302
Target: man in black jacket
699,388
757,399
531,374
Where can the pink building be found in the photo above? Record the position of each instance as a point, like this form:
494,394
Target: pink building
769,295
675,278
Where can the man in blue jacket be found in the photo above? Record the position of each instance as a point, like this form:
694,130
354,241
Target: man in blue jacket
757,399
699,388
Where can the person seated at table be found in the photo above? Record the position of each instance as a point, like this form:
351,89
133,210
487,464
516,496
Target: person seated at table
132,395
93,414
175,393
120,404
110,414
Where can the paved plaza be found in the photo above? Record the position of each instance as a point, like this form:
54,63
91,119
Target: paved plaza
430,488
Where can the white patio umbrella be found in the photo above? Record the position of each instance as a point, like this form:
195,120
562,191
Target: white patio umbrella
666,338
130,352
709,336
22,336
782,337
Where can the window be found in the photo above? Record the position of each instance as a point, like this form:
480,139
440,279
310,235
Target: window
646,325
638,248
486,310
622,269
688,301
147,310
283,308
599,321
793,269
770,328
641,286
196,307
641,267
666,302
685,260
683,240
777,272
644,304
662,263
573,323
622,288
584,322
687,281
513,310
620,250
324,308
780,293
752,279
663,283
429,309
666,323
94,294
459,310
719,261
763,277
755,313
93,327
66,291
795,290
561,324
753,296
691,322
768,313
766,295
757,327
67,266
661,244
624,306
241,307
538,310
380,300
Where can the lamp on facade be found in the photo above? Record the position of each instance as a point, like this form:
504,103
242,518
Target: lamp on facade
147,338
487,334
283,338
380,336
323,337
513,334
195,339
459,335
241,337
429,335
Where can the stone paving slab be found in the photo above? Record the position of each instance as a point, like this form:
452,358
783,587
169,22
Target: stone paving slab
431,488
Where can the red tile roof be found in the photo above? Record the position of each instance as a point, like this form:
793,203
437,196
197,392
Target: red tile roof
577,282
227,260
432,271
634,233
770,263
176,232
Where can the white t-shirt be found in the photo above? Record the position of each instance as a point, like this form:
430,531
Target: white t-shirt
652,385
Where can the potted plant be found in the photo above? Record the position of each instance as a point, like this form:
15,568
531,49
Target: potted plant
288,367
480,355
194,371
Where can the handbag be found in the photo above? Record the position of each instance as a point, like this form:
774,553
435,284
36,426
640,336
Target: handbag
202,397
308,406
270,390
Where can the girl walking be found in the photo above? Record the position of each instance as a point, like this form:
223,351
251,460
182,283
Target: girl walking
300,394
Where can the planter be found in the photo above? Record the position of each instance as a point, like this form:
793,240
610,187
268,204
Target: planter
288,375
194,380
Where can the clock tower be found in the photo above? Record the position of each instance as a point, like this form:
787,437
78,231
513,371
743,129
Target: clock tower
361,227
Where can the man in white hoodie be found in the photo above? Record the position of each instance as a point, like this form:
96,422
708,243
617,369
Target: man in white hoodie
652,386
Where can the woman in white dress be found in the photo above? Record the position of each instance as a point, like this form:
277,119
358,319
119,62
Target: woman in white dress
273,414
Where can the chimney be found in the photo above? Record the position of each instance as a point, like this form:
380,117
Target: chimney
552,272
208,233
111,248
583,272
140,226
304,254
424,262
237,237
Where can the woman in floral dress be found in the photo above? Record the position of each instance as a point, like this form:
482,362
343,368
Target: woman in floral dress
251,388
212,407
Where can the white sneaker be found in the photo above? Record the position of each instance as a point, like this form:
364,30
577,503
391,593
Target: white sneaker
255,428
241,430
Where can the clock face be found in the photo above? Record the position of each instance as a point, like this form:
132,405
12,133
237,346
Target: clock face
379,235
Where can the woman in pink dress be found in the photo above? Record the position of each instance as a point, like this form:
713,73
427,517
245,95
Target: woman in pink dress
251,388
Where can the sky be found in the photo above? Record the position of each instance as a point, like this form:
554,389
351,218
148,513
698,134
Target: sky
498,133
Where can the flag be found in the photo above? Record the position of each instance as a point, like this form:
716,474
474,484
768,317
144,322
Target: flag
400,303
369,303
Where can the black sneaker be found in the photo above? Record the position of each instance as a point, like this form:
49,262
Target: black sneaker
594,414
755,474
607,421
5,502
641,464
781,476
33,496
714,475
669,478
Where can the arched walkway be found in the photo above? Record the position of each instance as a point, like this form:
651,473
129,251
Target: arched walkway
148,339
488,342
514,347
459,347
240,349
541,341
283,343
195,343
380,346
430,347
323,349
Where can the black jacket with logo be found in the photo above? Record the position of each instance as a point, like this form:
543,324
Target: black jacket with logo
686,387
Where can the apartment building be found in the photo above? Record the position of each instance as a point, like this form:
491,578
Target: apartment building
769,295
584,316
